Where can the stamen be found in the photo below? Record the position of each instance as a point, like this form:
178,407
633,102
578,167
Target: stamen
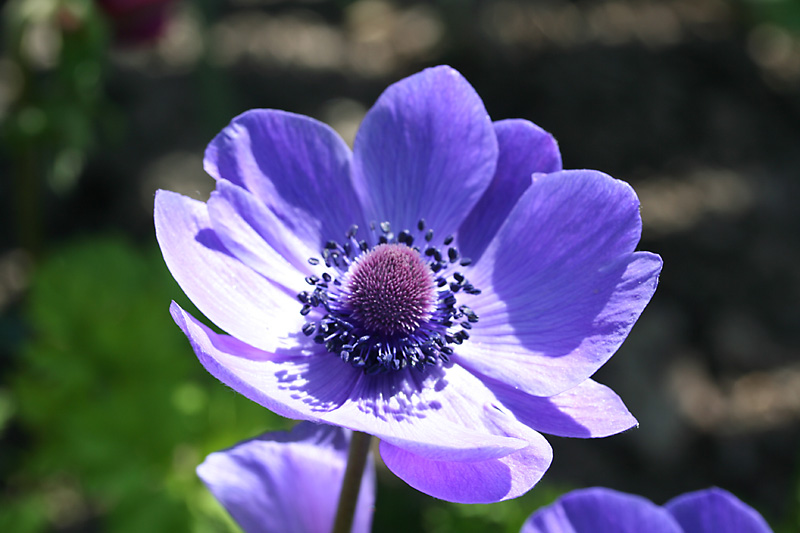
392,305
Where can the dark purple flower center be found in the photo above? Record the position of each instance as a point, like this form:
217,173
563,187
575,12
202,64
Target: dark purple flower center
391,290
391,304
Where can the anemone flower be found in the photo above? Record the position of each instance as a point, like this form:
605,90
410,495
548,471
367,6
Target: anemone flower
288,482
601,510
445,287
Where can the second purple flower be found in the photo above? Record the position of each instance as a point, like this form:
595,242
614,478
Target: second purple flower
445,286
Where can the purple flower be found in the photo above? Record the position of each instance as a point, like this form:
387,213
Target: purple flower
601,510
445,286
288,482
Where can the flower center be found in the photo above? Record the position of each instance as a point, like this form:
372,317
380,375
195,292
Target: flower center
391,290
391,304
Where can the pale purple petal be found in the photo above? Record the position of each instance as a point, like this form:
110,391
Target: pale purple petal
258,238
293,383
524,149
601,510
298,167
288,482
422,413
589,410
715,511
230,294
486,481
561,284
426,149
444,413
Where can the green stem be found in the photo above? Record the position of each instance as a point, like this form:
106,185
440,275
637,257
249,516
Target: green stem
356,461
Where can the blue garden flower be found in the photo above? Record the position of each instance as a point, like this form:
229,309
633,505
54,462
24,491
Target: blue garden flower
445,286
288,482
601,510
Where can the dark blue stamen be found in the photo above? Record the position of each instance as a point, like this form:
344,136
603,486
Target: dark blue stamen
375,343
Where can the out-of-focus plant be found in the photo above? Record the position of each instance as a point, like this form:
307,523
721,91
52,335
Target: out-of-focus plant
136,21
56,57
784,13
116,412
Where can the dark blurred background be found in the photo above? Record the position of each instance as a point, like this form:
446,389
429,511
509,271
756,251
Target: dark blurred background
105,412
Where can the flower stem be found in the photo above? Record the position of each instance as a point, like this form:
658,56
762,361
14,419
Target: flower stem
356,460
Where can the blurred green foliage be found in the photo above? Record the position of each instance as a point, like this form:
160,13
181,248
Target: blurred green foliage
117,409
784,13
503,517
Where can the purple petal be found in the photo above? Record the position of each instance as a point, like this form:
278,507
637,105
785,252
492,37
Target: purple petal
524,149
288,482
444,413
715,510
258,238
588,410
601,510
225,290
487,481
423,413
426,149
295,384
298,167
561,285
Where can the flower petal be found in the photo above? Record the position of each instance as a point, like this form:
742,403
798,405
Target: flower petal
486,481
714,509
258,238
288,482
601,510
225,290
561,284
298,167
305,384
426,149
524,149
589,410
294,384
443,413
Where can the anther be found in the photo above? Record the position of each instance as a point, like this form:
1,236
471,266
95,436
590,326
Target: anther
448,240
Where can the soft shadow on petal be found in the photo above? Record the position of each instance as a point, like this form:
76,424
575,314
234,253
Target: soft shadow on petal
298,167
308,383
715,510
524,149
561,284
296,384
258,238
487,481
229,293
601,510
437,414
590,410
288,482
426,149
